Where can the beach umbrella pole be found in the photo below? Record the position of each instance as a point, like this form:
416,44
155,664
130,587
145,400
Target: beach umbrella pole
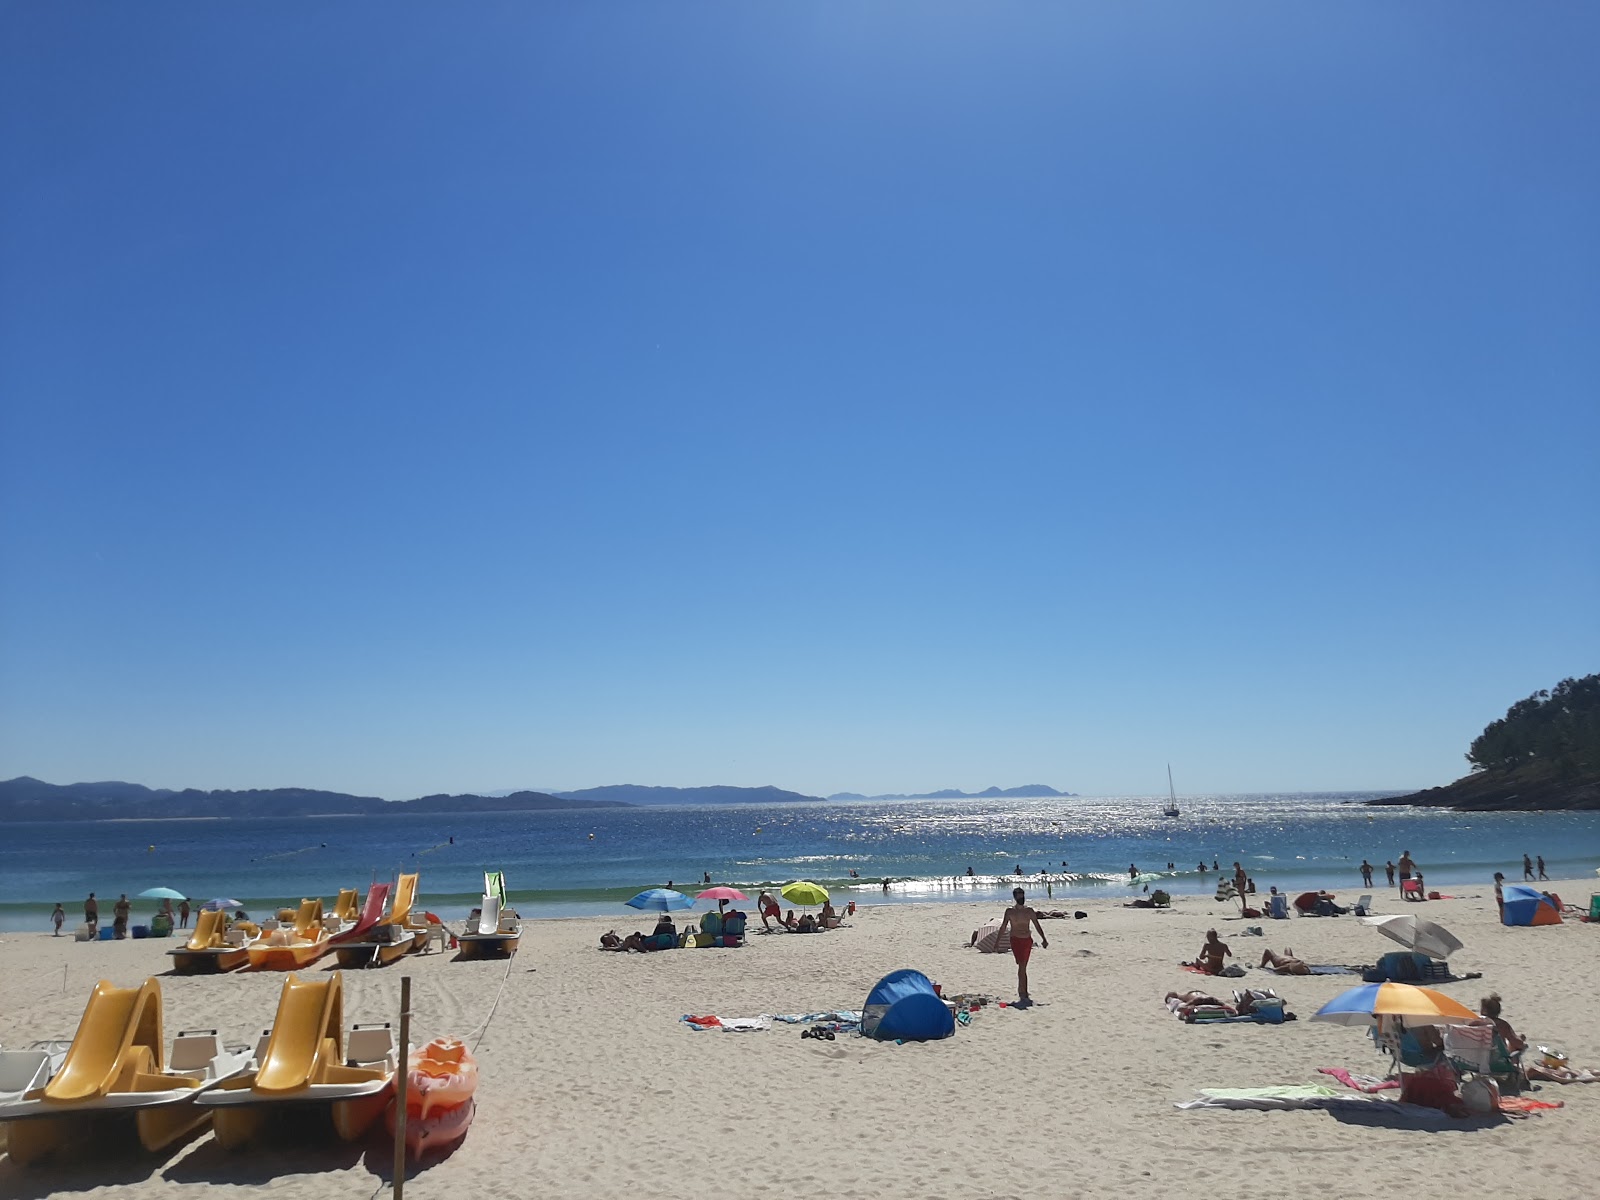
400,1088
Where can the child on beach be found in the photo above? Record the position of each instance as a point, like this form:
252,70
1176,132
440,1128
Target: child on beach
58,919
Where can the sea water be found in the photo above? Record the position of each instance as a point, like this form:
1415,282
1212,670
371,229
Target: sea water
587,862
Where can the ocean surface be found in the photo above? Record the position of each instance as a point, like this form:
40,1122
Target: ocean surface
586,863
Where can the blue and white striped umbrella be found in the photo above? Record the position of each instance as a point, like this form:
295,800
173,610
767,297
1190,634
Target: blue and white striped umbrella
660,900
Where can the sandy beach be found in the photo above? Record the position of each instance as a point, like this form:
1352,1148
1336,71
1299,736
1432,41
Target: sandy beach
592,1086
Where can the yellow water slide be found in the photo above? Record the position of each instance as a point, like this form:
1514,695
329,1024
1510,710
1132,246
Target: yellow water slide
118,1039
208,931
306,1034
405,895
345,906
308,921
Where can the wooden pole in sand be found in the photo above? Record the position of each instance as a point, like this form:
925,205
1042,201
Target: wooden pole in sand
400,1088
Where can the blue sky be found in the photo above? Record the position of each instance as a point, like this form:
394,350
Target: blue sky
405,397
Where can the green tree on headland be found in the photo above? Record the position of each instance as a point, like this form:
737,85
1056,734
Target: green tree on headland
1558,729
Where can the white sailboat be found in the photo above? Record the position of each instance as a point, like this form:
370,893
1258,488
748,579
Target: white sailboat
1170,808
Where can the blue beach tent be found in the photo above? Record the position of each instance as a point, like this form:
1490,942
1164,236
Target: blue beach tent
1528,906
903,1006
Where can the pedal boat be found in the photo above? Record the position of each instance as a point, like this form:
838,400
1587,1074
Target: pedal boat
306,1062
392,937
115,1070
494,933
293,948
213,946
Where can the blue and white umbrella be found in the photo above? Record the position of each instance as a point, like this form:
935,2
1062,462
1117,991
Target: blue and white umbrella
221,902
660,900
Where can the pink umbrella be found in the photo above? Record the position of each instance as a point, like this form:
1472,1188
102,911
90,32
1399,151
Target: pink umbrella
721,895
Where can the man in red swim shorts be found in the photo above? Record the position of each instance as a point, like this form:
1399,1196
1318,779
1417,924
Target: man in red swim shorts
1015,922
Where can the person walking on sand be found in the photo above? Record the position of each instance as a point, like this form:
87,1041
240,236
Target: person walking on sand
119,916
183,914
58,919
1500,895
91,914
1527,868
1388,868
1540,863
1366,873
1015,922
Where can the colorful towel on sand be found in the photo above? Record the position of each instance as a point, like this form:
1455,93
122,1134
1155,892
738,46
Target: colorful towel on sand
1522,1104
727,1024
1309,1095
841,1016
1361,1083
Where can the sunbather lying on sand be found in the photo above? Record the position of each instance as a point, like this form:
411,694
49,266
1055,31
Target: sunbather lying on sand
1185,1003
1285,963
634,941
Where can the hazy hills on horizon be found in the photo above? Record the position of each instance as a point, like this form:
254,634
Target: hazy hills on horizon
28,799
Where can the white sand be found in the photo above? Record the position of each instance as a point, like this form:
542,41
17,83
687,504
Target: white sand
591,1086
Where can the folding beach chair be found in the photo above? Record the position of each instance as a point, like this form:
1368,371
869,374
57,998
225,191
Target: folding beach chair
1363,906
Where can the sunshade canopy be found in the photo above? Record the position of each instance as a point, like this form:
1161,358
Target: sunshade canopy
1414,933
660,900
721,893
161,894
803,892
1412,1005
222,902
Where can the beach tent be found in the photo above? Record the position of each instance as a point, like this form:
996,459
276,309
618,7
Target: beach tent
1527,906
903,1006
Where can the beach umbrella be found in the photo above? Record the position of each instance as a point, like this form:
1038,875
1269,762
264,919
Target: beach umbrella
160,894
221,903
721,895
802,892
1414,933
1412,1005
660,900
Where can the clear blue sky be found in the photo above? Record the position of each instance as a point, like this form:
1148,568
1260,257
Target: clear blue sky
408,397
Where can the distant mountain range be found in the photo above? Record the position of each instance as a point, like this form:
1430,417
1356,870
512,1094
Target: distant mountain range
633,793
988,793
28,799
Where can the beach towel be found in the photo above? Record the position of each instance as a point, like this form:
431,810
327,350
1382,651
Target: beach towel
1521,1104
841,1015
1309,1095
727,1024
1361,1083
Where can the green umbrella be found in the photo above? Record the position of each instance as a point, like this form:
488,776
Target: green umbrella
803,892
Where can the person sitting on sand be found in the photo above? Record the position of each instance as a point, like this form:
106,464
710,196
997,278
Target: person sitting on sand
830,916
1285,963
1212,954
664,925
610,941
806,924
770,909
789,921
1489,1006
